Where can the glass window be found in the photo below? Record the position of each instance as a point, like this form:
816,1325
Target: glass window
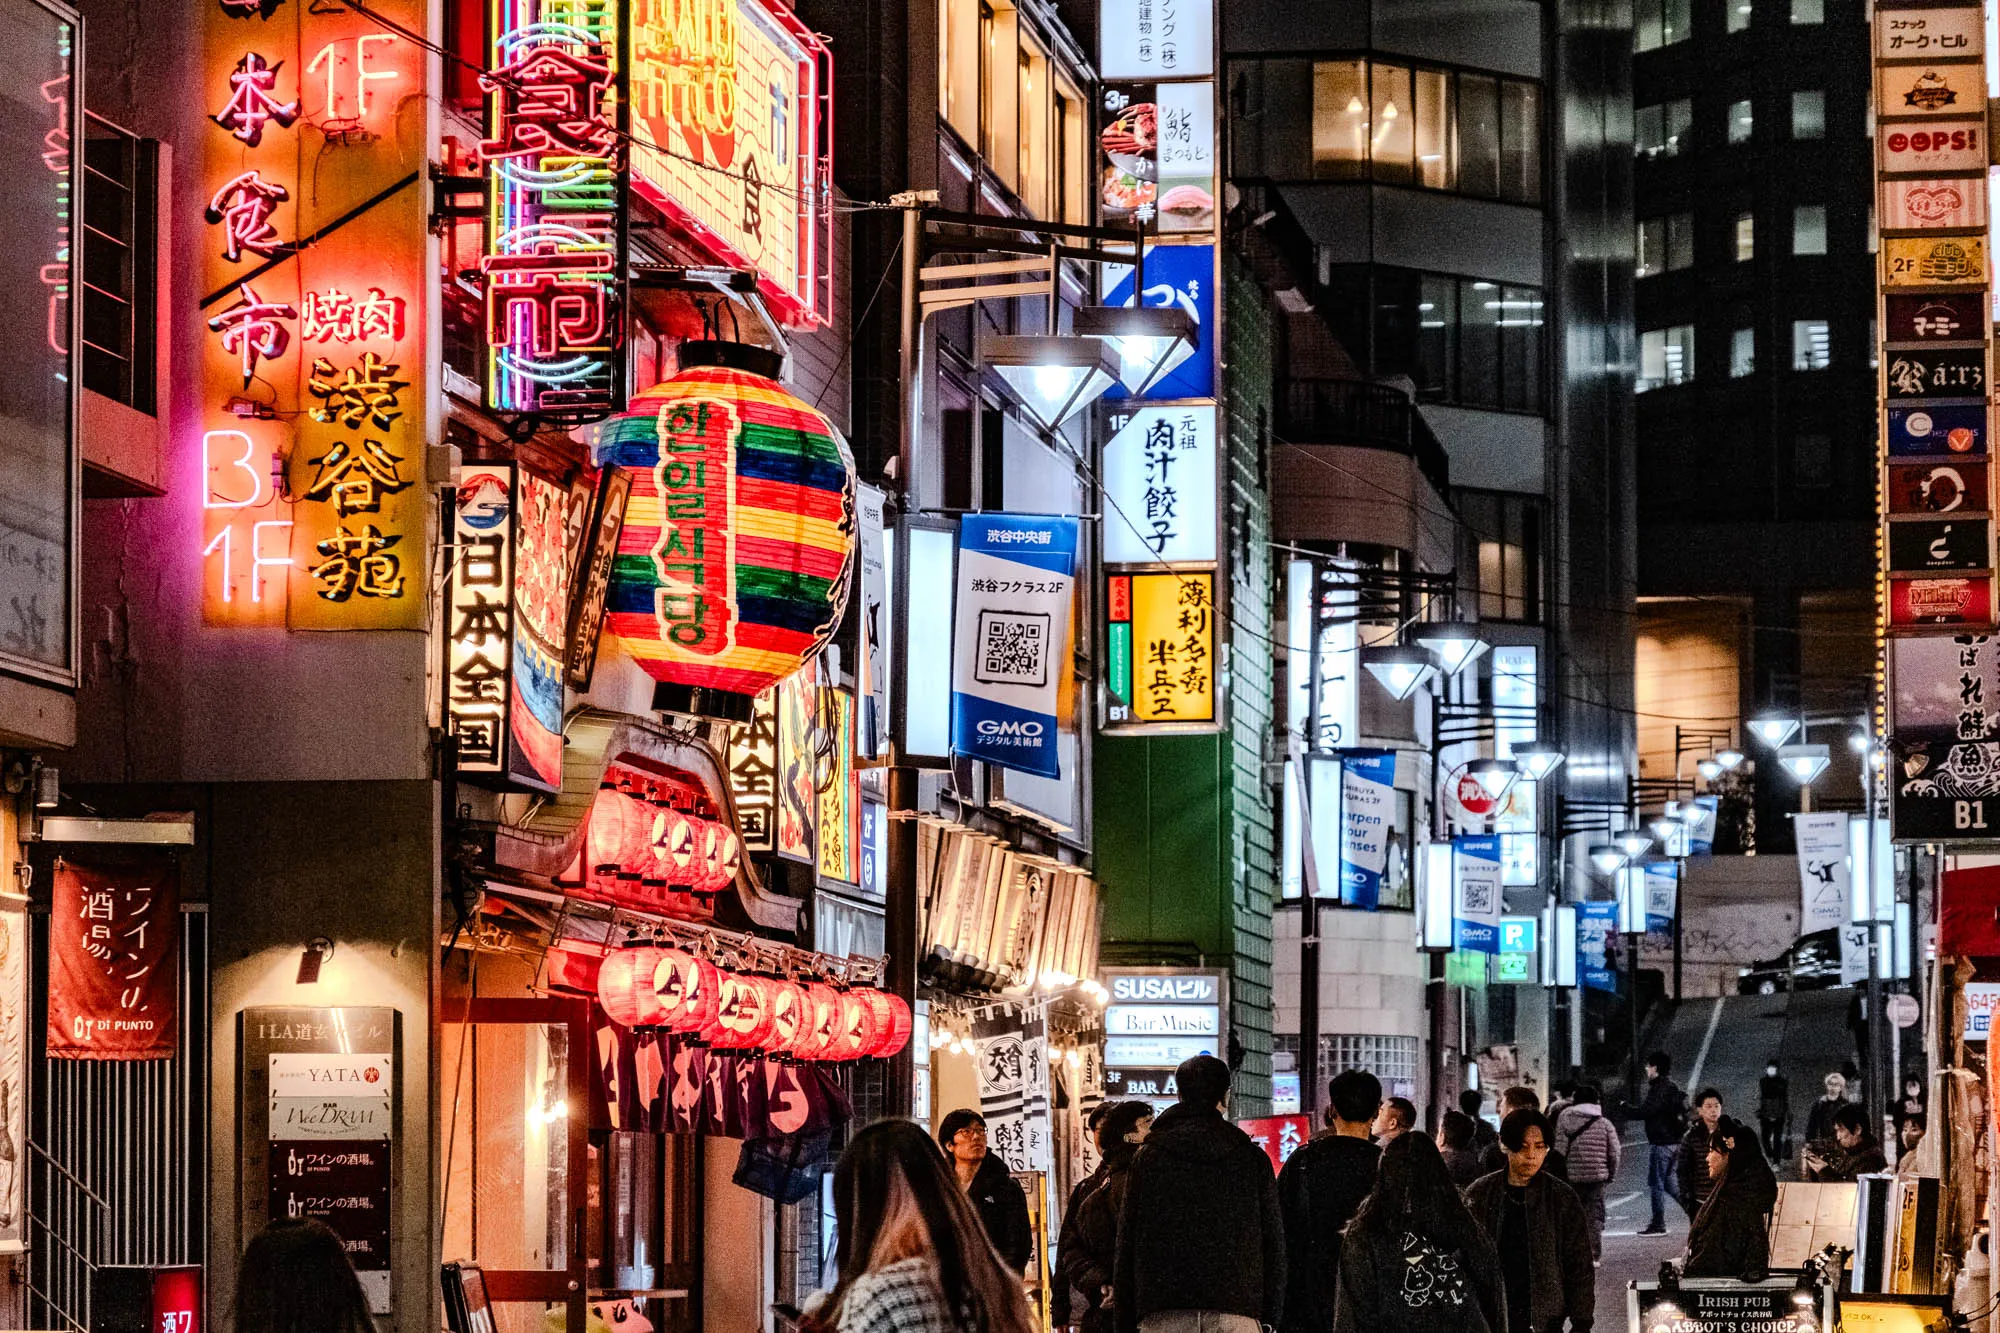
1666,357
1809,114
1437,336
1478,134
1390,137
1432,108
1000,129
1874,347
1809,229
1808,11
1340,120
1739,14
1072,130
1521,349
1812,347
1658,23
958,65
1520,142
1038,157
1479,345
1742,353
1741,119
1812,460
1665,244
1746,237
1659,130
1508,528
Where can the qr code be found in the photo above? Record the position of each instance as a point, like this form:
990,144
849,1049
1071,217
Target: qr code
1013,649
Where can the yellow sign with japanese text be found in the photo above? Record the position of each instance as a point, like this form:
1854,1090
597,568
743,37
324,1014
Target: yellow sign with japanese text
1933,261
1173,647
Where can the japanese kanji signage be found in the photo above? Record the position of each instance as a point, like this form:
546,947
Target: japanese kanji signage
1149,39
1158,143
733,139
753,773
1011,650
314,507
1011,1050
837,846
114,960
1161,661
1160,484
555,155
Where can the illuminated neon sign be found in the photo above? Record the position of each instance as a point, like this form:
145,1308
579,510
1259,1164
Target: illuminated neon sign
555,261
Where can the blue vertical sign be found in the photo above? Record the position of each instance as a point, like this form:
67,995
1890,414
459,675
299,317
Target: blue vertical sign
1475,901
1596,928
1183,277
1010,648
1367,817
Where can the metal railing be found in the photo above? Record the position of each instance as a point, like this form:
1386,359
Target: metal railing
1353,412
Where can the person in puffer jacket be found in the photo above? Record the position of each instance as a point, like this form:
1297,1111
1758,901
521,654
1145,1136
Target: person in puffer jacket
1589,1144
1414,1260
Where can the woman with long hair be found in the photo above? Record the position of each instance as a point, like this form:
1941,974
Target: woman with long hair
295,1278
913,1257
1728,1238
1414,1260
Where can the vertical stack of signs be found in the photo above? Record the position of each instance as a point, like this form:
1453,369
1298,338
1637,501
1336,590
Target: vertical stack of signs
1156,173
1936,490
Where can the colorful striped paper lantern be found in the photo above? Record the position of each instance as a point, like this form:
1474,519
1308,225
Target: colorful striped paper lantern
733,564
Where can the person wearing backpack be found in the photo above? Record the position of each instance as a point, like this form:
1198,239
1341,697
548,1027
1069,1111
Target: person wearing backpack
1414,1259
1589,1144
1664,1109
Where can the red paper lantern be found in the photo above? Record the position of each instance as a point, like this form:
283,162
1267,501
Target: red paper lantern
691,991
857,1027
711,849
892,1023
791,1017
673,845
743,1018
822,1023
625,989
619,831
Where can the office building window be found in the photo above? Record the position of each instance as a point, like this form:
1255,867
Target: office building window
1809,114
997,87
121,285
1812,346
1741,121
1665,244
1436,129
1746,237
1461,340
1658,130
1809,229
1739,14
1666,358
1808,11
1742,353
1812,461
1508,528
1657,23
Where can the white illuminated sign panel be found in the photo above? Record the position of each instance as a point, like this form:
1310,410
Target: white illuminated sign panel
1159,483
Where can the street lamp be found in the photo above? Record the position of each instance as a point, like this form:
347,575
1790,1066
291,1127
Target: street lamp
1608,857
1456,644
1710,769
1399,670
1858,741
1634,843
1149,342
1537,759
1729,759
1804,762
1494,776
1774,729
1053,376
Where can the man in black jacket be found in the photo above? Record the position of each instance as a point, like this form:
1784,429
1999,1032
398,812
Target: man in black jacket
1664,1109
1696,1183
1538,1226
1201,1244
1322,1184
1062,1300
994,1193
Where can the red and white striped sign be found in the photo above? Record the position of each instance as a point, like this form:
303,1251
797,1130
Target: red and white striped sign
1910,204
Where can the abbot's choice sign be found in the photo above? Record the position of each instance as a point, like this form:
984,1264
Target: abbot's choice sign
1158,1017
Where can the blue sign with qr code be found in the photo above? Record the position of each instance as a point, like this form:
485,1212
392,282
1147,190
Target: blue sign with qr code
1011,638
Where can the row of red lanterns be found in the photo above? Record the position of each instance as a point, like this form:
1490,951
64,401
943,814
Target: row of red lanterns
631,838
672,990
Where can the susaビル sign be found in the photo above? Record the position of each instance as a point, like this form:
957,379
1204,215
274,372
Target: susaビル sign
1157,1018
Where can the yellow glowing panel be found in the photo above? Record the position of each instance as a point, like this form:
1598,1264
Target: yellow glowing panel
1173,647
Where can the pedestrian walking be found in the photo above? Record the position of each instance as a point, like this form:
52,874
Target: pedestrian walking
295,1278
1092,1256
1819,1144
1414,1260
913,1255
1729,1237
1774,1113
1664,1111
996,1196
1484,1136
1514,1099
1695,1181
1397,1117
1462,1161
1590,1148
1537,1225
1323,1182
1064,1305
1201,1246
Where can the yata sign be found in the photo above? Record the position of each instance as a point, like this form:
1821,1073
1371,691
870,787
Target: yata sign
1164,990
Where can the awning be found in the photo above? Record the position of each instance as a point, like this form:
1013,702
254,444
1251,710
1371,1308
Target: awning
998,918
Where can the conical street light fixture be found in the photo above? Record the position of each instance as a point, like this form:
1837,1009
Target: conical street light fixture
1635,843
1053,376
1538,759
1148,342
1729,759
1774,729
1494,776
1804,762
1456,644
1400,670
1608,857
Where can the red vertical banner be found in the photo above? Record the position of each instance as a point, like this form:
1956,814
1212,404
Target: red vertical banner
114,942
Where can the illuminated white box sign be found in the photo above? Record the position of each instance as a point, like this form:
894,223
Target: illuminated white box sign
1155,1052
1157,1018
1159,480
1162,1020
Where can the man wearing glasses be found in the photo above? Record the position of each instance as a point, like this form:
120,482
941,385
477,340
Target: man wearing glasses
995,1195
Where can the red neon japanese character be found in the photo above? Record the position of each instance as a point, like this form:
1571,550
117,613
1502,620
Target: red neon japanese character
244,207
250,328
251,102
551,101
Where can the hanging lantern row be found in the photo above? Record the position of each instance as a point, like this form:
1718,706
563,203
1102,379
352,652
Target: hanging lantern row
674,990
647,848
